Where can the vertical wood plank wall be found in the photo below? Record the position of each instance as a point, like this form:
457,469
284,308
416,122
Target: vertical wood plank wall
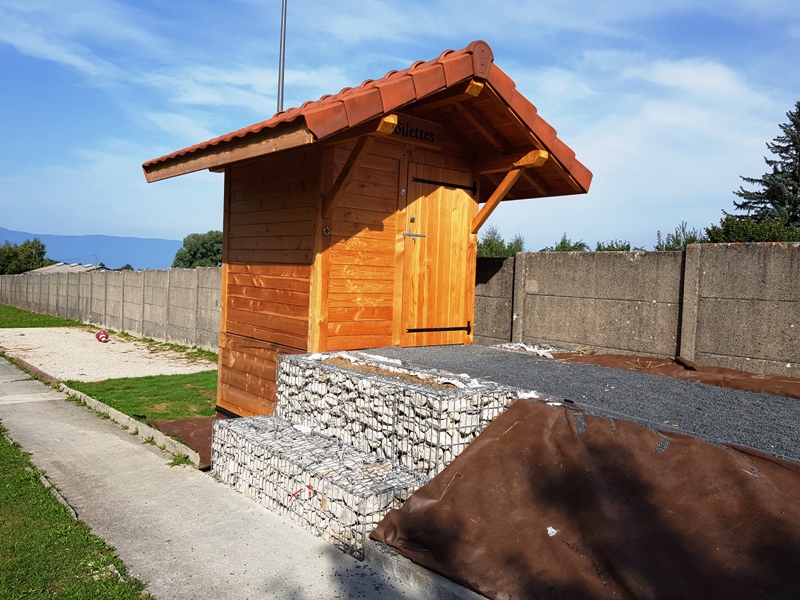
270,220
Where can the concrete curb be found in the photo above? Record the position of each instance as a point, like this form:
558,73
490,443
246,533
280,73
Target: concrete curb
144,431
37,373
432,585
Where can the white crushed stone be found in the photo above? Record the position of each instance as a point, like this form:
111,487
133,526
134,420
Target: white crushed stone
74,353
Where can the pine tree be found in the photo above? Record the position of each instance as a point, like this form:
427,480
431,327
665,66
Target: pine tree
779,196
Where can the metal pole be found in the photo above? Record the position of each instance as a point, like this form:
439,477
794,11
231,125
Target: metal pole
283,57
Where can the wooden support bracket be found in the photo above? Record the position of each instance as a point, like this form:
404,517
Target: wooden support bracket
385,127
535,158
503,164
508,182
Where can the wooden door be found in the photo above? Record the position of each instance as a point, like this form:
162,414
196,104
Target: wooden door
438,257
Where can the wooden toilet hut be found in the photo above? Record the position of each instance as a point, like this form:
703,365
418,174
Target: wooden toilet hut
351,222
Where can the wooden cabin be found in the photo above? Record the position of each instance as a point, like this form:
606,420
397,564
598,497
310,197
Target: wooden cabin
351,222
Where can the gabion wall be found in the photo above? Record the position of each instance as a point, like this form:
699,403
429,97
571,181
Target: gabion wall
412,425
329,488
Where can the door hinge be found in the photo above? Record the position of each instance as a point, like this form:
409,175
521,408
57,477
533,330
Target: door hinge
468,329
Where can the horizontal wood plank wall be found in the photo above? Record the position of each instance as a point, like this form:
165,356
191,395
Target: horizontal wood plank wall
362,252
270,222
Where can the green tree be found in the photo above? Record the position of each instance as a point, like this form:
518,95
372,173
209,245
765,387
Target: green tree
493,245
734,229
779,196
682,237
19,258
200,250
567,245
615,246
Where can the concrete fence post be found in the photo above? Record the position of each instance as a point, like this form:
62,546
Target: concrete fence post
518,297
689,301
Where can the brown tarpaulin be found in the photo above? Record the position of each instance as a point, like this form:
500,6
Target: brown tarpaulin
550,503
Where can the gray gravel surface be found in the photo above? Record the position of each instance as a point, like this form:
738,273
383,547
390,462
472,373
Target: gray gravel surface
760,421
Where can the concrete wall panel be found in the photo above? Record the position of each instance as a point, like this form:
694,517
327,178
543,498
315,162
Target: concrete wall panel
113,315
627,302
133,302
598,324
494,291
84,297
97,316
182,306
636,276
156,291
742,307
769,271
73,296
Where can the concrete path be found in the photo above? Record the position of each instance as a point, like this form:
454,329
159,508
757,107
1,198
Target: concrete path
183,534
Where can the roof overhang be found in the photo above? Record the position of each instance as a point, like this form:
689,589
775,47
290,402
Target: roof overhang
463,89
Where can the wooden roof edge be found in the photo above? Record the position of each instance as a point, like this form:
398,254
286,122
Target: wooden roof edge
213,157
504,87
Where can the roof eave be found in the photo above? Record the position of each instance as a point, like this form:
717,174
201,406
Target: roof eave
287,136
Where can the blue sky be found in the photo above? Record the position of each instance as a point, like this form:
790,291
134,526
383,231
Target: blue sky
667,102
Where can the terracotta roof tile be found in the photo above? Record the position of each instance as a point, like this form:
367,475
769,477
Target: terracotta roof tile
363,105
581,175
502,83
524,109
326,119
396,91
428,78
563,153
482,58
457,66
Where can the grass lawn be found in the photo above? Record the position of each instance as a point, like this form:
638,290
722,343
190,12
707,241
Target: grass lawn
11,317
158,396
44,551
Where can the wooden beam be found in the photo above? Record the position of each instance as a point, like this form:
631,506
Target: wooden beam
537,184
474,88
506,162
384,127
484,127
505,186
226,153
345,175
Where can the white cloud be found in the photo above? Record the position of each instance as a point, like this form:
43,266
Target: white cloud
666,141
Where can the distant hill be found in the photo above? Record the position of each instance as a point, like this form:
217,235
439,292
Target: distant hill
113,251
